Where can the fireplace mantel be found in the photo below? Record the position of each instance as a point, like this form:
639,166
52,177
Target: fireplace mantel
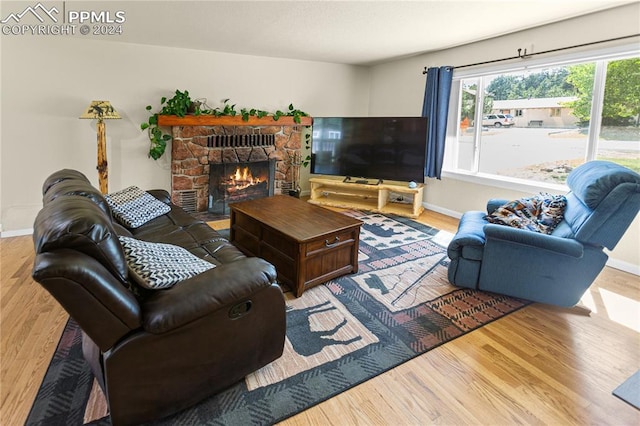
211,120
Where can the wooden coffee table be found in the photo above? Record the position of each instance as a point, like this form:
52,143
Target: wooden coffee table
307,244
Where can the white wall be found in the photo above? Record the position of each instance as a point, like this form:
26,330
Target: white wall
397,88
48,81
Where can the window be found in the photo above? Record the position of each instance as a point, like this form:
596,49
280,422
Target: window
567,112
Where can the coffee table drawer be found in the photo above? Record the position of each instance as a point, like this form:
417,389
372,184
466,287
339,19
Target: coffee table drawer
329,262
331,241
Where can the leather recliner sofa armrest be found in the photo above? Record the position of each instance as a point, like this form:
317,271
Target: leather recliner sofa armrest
103,307
161,195
217,288
564,246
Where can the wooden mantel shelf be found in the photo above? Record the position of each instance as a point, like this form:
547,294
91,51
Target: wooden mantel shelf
211,120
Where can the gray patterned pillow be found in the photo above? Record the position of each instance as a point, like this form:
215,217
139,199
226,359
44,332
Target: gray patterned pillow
133,207
157,265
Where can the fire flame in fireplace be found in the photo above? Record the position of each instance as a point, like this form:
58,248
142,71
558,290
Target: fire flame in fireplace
242,179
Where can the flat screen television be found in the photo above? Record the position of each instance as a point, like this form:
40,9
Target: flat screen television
383,148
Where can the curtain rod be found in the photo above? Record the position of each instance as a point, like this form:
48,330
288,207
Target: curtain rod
525,55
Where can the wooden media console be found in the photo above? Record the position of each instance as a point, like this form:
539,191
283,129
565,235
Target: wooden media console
381,198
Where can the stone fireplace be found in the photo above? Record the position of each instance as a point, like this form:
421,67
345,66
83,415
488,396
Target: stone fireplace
200,143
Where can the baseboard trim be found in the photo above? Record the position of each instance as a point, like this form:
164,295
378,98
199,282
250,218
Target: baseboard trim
624,266
442,210
16,233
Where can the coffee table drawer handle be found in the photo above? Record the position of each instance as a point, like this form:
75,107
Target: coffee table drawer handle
336,240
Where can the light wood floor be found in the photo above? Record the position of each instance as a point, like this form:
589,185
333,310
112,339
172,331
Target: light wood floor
540,365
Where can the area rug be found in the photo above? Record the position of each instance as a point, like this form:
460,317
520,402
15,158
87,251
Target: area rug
349,330
629,390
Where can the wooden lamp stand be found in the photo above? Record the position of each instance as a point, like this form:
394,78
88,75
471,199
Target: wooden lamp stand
101,110
103,173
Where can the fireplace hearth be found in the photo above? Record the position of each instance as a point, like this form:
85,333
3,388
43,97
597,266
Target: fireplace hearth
241,181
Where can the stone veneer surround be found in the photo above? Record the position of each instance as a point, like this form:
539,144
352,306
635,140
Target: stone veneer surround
191,155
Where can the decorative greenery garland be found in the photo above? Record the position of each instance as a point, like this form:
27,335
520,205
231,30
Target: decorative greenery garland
181,104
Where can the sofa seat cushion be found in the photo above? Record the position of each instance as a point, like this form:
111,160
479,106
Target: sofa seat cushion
133,207
540,213
188,236
157,265
180,228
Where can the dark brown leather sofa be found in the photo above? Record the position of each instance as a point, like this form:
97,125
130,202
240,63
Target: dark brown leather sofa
154,352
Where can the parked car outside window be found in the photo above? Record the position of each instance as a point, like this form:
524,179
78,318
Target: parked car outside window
498,120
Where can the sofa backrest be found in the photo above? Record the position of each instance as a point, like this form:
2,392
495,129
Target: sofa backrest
76,215
603,201
77,187
62,175
80,261
77,223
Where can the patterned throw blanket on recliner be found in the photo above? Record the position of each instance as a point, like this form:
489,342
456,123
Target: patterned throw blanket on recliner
540,213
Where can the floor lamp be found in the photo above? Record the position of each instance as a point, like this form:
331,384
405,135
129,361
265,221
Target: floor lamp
101,110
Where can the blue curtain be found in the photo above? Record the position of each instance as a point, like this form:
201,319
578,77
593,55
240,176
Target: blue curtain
436,108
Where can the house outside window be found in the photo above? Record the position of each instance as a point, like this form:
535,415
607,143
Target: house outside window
567,111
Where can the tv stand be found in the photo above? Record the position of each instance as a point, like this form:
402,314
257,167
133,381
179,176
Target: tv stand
347,179
380,197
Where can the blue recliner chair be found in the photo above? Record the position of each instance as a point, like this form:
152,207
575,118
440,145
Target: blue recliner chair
557,268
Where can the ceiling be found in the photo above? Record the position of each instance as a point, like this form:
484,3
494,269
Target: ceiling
349,32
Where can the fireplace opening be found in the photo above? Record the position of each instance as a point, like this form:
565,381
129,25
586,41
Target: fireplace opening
234,182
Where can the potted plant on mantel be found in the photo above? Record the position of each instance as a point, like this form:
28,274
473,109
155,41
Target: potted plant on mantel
181,104
178,105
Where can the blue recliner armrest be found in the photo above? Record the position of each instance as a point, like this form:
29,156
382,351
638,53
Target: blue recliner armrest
470,236
466,249
531,239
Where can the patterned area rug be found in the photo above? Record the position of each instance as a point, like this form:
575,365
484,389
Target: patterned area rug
398,306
